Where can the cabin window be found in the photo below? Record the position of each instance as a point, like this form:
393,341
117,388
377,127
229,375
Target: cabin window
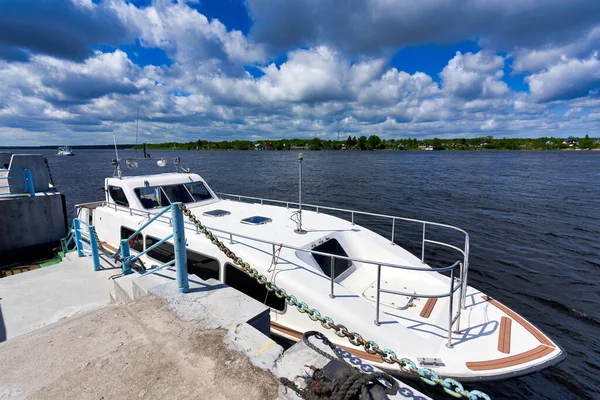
162,196
200,265
137,243
199,191
152,197
241,281
178,194
118,195
163,253
332,246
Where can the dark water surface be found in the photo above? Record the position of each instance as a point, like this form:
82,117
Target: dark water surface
533,217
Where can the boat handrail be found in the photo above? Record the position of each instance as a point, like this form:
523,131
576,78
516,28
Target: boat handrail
145,213
424,224
460,284
17,175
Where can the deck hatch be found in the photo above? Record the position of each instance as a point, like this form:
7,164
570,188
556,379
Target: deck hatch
256,220
216,213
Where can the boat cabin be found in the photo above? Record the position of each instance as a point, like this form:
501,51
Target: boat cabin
153,192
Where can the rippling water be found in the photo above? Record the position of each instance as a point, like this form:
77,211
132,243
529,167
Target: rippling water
533,217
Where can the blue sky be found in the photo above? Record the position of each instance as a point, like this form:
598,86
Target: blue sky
75,71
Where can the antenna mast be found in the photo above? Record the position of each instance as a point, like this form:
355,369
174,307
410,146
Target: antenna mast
137,125
116,161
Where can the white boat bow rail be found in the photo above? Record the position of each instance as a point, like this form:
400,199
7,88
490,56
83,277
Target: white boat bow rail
454,284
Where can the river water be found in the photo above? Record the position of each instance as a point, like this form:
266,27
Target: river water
533,217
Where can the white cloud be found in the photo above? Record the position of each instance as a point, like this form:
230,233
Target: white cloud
187,36
569,79
475,76
344,82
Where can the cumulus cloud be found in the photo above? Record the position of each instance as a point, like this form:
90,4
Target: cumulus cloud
473,76
336,72
534,60
360,26
567,80
187,35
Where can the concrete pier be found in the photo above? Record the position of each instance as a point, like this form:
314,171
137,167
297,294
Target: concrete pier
30,225
71,332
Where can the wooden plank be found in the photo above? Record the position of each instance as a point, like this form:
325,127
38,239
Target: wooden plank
504,335
298,336
538,335
426,312
522,358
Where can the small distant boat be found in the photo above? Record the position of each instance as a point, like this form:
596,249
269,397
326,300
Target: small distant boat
65,151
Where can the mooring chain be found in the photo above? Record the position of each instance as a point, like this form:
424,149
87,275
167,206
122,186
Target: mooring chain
430,377
101,247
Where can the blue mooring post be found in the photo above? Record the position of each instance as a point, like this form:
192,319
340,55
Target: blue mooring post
29,183
179,244
125,257
94,246
77,225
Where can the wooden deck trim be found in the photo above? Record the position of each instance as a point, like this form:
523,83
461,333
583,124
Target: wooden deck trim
357,353
108,246
522,358
426,312
538,335
504,335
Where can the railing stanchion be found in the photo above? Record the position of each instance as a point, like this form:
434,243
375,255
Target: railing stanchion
179,245
423,246
393,228
463,300
231,238
94,246
352,213
378,295
77,226
332,295
450,304
125,254
29,183
457,330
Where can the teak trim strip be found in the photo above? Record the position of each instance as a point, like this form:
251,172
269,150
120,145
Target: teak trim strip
504,335
357,353
426,312
506,362
538,335
546,346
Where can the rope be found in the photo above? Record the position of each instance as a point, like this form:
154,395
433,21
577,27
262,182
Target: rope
49,173
350,384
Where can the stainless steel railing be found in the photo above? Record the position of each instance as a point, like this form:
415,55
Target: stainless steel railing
454,285
464,251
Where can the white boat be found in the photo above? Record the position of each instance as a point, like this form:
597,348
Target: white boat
378,289
65,151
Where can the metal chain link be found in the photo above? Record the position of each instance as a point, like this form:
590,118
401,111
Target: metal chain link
430,377
101,247
49,173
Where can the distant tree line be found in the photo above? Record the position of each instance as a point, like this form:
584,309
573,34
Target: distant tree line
374,142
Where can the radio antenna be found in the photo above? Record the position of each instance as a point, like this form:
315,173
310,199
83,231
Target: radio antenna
137,125
116,161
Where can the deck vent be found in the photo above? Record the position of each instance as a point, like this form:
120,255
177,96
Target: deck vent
256,220
216,213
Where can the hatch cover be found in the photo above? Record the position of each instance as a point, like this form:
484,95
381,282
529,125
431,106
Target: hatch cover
216,213
399,302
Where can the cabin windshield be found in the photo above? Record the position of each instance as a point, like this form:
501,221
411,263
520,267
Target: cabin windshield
162,196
